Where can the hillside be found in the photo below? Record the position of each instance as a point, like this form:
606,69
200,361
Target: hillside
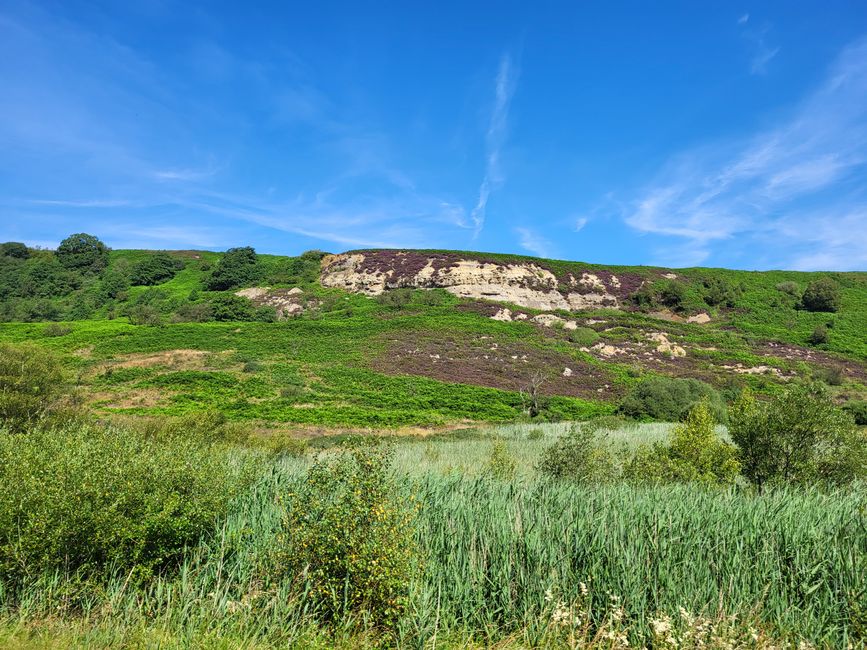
403,338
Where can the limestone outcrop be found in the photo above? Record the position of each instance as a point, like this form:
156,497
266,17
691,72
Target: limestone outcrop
523,283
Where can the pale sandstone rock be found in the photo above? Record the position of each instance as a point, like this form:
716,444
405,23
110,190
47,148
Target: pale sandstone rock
525,284
665,346
701,318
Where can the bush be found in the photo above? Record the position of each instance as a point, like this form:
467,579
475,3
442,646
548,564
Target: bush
229,307
395,298
350,531
672,294
145,314
501,464
717,292
31,385
194,312
821,295
83,252
578,457
797,437
669,400
90,499
833,375
113,286
583,336
155,269
56,329
695,453
790,288
819,336
15,250
237,267
858,410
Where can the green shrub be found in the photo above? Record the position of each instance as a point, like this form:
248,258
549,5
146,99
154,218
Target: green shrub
578,456
797,437
15,250
56,329
858,410
669,400
395,298
155,269
694,453
672,294
113,286
349,530
83,252
819,336
236,268
583,336
833,375
90,499
145,315
717,292
791,288
501,464
821,295
229,307
194,312
31,385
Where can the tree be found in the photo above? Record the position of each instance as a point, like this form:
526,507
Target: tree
668,399
819,335
797,437
237,267
229,307
695,453
821,295
83,252
155,269
31,383
535,401
14,249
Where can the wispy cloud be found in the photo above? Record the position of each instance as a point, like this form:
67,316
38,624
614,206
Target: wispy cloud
494,139
786,191
531,241
763,52
580,222
743,19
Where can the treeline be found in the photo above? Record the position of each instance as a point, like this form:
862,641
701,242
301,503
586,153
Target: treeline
81,280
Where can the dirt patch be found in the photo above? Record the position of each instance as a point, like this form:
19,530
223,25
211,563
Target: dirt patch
850,369
135,398
171,359
484,361
286,302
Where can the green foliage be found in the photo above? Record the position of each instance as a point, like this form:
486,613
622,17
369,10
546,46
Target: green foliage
155,269
349,530
819,336
236,268
668,399
583,336
799,436
229,307
14,249
395,298
858,410
56,329
821,295
672,294
718,292
31,386
113,285
791,288
695,453
501,464
145,314
83,252
578,456
87,499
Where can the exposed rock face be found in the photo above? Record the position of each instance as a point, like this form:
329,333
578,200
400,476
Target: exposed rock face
526,284
286,302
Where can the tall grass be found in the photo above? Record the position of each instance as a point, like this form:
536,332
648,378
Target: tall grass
793,559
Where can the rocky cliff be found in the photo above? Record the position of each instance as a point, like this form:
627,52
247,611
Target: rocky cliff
525,283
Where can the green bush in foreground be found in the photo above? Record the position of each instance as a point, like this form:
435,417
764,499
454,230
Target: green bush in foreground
695,453
348,529
31,385
798,437
858,410
93,500
578,456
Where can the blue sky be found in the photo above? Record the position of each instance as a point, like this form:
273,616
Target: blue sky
677,134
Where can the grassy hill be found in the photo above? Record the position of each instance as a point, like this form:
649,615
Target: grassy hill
411,357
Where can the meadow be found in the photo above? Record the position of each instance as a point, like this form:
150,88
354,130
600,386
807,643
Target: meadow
181,468
513,561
